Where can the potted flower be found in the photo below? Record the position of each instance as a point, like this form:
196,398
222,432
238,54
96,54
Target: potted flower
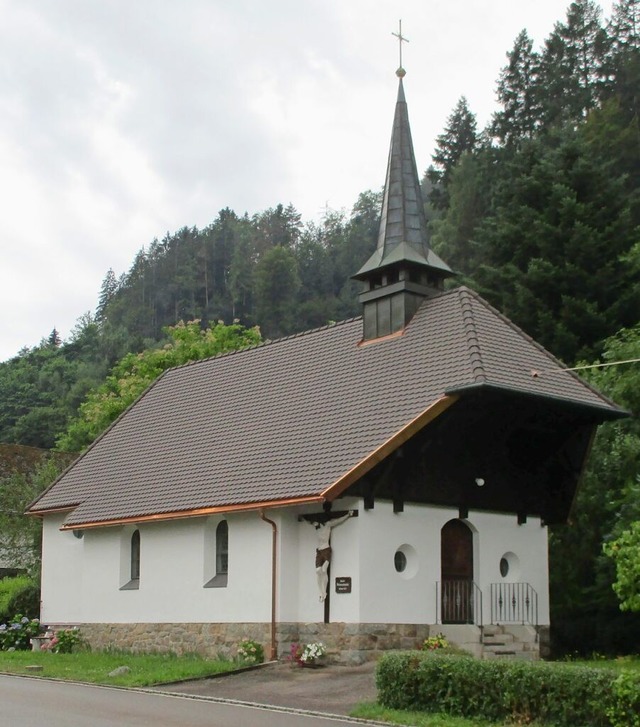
313,654
435,642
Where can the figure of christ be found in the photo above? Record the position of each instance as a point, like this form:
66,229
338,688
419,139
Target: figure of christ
323,550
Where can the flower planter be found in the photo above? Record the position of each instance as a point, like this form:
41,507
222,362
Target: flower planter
38,642
314,663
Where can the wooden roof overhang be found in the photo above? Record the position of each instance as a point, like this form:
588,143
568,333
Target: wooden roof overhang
497,450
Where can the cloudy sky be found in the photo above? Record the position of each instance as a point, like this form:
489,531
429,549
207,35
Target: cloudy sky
121,120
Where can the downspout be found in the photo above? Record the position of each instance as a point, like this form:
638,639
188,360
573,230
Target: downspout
274,542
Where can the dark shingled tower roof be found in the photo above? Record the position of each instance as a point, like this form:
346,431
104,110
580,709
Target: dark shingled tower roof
403,235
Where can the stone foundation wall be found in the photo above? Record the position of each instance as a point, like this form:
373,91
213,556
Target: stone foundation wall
544,636
346,643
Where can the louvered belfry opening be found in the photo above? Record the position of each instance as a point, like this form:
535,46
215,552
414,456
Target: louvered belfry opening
403,270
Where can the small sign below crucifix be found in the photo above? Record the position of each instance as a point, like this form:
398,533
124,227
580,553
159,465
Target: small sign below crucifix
401,39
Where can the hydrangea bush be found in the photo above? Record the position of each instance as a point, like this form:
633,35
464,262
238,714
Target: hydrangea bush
63,641
17,634
250,652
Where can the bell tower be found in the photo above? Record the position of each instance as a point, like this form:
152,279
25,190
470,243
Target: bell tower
403,270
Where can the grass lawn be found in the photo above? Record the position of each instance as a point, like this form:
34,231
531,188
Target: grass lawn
415,719
631,663
94,667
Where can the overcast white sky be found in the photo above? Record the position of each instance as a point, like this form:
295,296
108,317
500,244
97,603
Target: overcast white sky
121,120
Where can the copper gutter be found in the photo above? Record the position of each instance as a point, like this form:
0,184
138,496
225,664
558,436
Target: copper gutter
274,542
388,337
180,514
50,511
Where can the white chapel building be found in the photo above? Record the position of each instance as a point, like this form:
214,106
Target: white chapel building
435,436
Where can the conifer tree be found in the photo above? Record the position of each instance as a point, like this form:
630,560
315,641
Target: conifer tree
453,235
572,66
54,339
518,93
459,136
276,287
623,60
108,290
624,26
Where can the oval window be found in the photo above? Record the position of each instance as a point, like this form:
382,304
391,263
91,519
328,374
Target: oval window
509,566
400,561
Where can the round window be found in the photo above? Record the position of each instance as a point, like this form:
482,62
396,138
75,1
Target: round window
400,561
405,561
509,566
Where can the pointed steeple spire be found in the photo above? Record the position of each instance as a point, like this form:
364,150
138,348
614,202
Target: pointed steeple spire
403,270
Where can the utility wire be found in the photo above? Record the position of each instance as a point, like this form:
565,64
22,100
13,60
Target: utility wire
602,365
536,374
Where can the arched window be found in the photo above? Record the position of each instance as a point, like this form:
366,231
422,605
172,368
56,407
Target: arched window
222,548
135,556
216,554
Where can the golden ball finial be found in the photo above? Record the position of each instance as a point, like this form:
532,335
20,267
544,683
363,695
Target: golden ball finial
401,73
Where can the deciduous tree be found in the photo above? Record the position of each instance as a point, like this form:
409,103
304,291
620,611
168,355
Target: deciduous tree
135,372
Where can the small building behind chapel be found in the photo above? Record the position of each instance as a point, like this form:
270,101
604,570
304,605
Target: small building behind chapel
440,437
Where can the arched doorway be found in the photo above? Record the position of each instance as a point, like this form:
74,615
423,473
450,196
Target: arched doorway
456,568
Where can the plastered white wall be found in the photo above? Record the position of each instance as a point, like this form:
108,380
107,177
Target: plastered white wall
82,579
63,562
387,596
498,535
288,564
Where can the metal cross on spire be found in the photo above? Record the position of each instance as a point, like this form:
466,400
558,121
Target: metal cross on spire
401,39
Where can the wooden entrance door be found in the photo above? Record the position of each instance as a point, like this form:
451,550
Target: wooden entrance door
456,562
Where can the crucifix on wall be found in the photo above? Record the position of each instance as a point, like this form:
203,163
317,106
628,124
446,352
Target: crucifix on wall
324,524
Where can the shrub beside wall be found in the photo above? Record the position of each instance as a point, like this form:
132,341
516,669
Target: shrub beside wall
562,694
19,594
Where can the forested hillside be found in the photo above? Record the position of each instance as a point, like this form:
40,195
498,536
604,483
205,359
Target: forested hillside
539,212
268,269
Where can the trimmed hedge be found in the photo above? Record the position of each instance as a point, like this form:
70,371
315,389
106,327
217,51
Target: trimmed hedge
19,594
559,694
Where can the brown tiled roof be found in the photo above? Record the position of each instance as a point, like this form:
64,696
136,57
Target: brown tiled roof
288,420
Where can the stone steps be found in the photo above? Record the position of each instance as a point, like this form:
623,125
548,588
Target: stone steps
506,642
513,641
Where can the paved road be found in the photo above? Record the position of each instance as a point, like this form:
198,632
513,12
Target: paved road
334,689
28,702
